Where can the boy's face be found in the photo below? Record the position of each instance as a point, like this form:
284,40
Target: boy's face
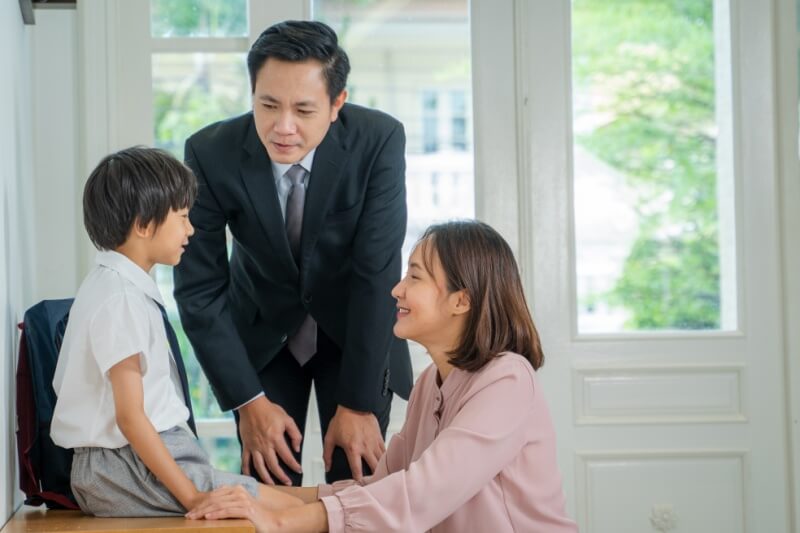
171,237
292,108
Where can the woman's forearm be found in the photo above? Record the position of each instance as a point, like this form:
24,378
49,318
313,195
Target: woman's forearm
307,494
308,518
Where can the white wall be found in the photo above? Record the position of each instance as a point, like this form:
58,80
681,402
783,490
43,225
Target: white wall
16,223
788,44
42,246
59,228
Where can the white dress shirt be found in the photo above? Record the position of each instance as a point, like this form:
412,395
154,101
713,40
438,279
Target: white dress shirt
115,315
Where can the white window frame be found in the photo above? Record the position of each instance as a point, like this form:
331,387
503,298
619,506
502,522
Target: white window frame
788,49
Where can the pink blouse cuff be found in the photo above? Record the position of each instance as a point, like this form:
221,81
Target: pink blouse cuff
335,512
334,488
324,490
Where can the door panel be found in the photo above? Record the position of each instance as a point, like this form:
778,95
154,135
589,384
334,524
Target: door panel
659,429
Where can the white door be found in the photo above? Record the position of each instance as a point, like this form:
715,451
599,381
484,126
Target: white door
649,178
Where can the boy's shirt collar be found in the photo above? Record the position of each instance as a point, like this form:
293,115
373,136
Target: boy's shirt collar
131,272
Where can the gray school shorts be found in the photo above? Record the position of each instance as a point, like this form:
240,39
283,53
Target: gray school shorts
115,482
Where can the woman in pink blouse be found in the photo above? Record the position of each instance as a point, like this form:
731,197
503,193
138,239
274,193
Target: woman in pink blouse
477,451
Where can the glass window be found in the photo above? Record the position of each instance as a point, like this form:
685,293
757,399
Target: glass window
198,18
430,122
648,169
404,59
224,452
192,90
458,120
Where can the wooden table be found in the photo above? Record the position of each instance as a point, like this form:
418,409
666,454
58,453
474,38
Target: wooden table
38,519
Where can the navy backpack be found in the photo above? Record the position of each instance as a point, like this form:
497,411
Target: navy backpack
44,468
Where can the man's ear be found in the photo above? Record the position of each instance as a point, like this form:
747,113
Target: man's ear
337,104
460,302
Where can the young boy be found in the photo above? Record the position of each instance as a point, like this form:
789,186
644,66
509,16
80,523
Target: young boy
120,405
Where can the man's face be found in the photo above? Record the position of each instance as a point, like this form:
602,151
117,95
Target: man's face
292,108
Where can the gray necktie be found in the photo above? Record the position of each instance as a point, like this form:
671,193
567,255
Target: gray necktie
295,203
303,343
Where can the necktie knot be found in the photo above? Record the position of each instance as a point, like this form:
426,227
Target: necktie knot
296,174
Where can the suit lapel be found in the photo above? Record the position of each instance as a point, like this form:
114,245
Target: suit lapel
325,174
260,184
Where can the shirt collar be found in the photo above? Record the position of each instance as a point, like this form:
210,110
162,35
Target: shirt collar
452,382
132,272
279,169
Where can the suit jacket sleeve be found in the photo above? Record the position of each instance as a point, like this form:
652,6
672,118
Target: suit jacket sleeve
201,287
376,264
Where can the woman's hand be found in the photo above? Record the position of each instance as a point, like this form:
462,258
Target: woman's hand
234,502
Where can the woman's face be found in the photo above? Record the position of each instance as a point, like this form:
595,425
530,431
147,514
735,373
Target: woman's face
426,312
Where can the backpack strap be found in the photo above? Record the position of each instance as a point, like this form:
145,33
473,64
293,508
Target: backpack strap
26,420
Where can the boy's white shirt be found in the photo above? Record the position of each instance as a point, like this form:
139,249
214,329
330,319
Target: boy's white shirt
114,316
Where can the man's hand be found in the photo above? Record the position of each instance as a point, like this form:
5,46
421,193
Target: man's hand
262,425
359,435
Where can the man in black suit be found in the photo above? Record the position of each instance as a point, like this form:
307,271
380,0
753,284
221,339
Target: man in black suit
313,192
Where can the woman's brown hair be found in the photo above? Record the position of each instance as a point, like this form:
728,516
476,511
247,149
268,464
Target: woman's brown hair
477,260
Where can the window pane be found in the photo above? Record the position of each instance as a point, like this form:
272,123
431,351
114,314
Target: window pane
198,18
193,90
412,60
648,169
224,452
204,403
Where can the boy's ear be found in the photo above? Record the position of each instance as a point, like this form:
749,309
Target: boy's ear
143,231
460,302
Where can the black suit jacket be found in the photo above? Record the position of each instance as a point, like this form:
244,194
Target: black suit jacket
238,312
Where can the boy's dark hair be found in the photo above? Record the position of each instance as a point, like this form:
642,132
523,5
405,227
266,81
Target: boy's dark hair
137,185
301,40
476,259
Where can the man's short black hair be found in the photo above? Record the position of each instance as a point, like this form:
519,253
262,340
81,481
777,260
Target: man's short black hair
301,40
137,185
